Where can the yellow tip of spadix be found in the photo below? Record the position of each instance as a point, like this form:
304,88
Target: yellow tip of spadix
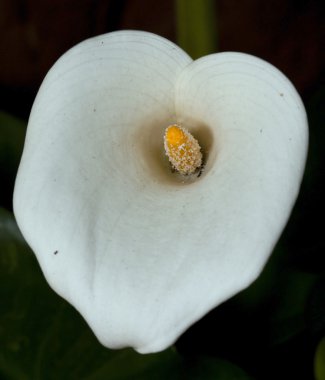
182,149
175,136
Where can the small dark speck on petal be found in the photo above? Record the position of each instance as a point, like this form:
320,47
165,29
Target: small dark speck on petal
56,252
261,130
94,109
281,93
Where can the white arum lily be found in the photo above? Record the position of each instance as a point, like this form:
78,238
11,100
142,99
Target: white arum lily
141,250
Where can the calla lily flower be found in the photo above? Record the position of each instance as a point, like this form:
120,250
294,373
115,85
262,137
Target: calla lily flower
141,250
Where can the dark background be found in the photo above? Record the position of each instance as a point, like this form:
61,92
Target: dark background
34,33
290,35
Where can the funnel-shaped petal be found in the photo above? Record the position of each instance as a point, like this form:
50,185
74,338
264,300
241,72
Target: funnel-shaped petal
141,251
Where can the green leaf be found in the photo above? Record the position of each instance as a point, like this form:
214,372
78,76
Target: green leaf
12,135
289,306
315,313
209,368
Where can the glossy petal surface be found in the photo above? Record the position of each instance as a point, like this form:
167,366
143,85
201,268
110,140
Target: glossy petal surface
141,252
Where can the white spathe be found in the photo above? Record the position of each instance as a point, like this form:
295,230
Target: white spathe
141,252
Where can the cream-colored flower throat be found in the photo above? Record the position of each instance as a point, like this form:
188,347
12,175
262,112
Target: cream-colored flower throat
182,149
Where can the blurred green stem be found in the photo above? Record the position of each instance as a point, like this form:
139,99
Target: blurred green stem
319,363
197,26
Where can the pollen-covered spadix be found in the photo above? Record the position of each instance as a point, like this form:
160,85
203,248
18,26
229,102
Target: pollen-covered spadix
140,250
182,150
